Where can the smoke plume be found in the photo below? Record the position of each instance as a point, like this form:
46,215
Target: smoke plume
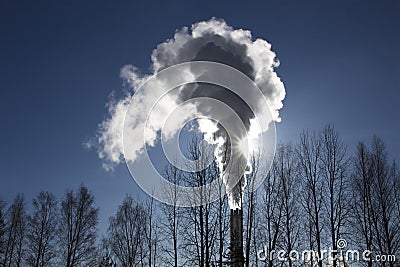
211,40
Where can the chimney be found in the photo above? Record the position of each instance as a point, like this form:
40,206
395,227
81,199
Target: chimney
236,246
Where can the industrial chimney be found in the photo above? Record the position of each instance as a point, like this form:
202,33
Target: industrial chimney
236,246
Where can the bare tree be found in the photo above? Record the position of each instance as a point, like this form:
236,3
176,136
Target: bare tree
384,219
151,231
15,233
309,156
289,196
77,231
270,228
334,169
204,230
127,233
251,206
41,232
362,199
171,222
375,187
280,226
222,220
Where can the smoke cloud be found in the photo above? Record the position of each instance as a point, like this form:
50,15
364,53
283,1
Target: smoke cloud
211,40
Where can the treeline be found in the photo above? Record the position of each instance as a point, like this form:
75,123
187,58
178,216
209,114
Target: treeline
53,234
316,196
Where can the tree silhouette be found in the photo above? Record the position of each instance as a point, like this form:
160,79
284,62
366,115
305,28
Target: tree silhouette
77,231
41,234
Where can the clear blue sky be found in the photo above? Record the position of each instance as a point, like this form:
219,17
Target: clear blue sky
60,60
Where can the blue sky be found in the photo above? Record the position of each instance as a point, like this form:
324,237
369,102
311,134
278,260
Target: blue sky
60,61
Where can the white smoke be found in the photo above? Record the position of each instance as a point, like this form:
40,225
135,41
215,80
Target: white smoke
211,40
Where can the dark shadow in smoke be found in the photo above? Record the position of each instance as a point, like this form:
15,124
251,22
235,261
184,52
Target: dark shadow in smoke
234,55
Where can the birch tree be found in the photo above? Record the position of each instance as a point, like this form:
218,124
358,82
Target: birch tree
15,233
77,230
41,234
